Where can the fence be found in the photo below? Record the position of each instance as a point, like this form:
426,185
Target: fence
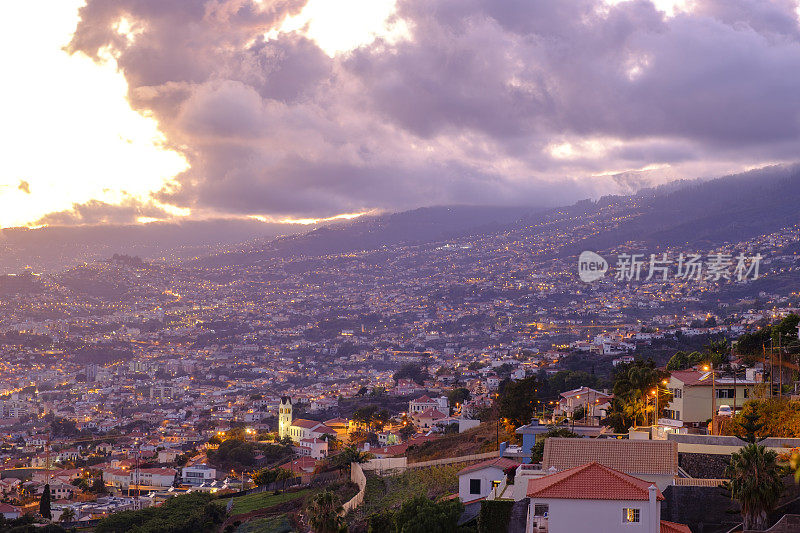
356,476
399,463
697,482
389,463
451,460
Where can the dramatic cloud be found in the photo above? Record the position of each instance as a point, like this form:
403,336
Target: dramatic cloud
484,101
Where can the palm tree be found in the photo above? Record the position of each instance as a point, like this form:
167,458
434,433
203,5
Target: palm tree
325,513
755,482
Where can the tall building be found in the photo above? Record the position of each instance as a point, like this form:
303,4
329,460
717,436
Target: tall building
284,416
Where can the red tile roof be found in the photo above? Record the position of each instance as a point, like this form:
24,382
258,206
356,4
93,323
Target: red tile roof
672,527
423,399
306,424
637,457
498,462
591,481
692,378
302,464
433,414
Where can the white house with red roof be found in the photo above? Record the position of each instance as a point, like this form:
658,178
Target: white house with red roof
308,429
10,512
428,418
593,402
316,448
425,403
303,465
593,497
476,481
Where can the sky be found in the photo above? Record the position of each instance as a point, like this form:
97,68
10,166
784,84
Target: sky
126,111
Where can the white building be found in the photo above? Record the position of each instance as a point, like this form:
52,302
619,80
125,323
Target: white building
316,448
198,474
284,416
592,498
476,481
424,403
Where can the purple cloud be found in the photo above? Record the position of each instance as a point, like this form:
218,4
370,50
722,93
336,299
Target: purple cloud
488,101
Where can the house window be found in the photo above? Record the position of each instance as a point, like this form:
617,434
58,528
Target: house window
474,486
676,393
725,393
746,393
541,509
630,515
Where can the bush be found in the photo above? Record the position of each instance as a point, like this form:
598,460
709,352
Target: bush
494,515
190,513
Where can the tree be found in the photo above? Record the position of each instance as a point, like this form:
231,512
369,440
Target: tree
518,400
44,503
333,442
67,515
408,430
265,476
421,515
324,513
537,451
458,396
412,371
98,486
679,361
755,482
348,455
381,522
749,424
633,402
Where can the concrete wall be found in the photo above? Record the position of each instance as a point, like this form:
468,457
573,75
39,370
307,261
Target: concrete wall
356,476
592,516
388,463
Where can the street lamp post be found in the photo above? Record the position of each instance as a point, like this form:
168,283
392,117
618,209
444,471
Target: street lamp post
713,395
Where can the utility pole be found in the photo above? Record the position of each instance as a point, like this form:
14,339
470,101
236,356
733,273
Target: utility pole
780,366
764,346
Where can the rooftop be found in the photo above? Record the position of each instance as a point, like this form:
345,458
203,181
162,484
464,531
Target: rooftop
591,481
658,457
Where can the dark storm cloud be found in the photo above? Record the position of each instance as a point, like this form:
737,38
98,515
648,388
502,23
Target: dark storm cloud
488,101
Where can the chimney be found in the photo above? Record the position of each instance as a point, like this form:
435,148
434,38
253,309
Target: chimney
654,510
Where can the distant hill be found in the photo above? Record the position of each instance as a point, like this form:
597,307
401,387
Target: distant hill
697,214
418,226
705,214
51,249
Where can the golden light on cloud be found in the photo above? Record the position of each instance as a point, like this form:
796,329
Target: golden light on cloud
69,134
309,221
339,26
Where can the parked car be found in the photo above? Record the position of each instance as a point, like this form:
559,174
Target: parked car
725,410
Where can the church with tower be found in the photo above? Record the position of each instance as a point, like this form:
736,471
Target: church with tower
284,417
299,429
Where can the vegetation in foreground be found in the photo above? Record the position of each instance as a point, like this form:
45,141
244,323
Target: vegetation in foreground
190,513
262,500
389,493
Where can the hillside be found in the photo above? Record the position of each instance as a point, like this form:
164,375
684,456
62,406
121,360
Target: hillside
419,226
476,440
700,214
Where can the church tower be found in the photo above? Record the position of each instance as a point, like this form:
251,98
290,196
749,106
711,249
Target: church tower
284,416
